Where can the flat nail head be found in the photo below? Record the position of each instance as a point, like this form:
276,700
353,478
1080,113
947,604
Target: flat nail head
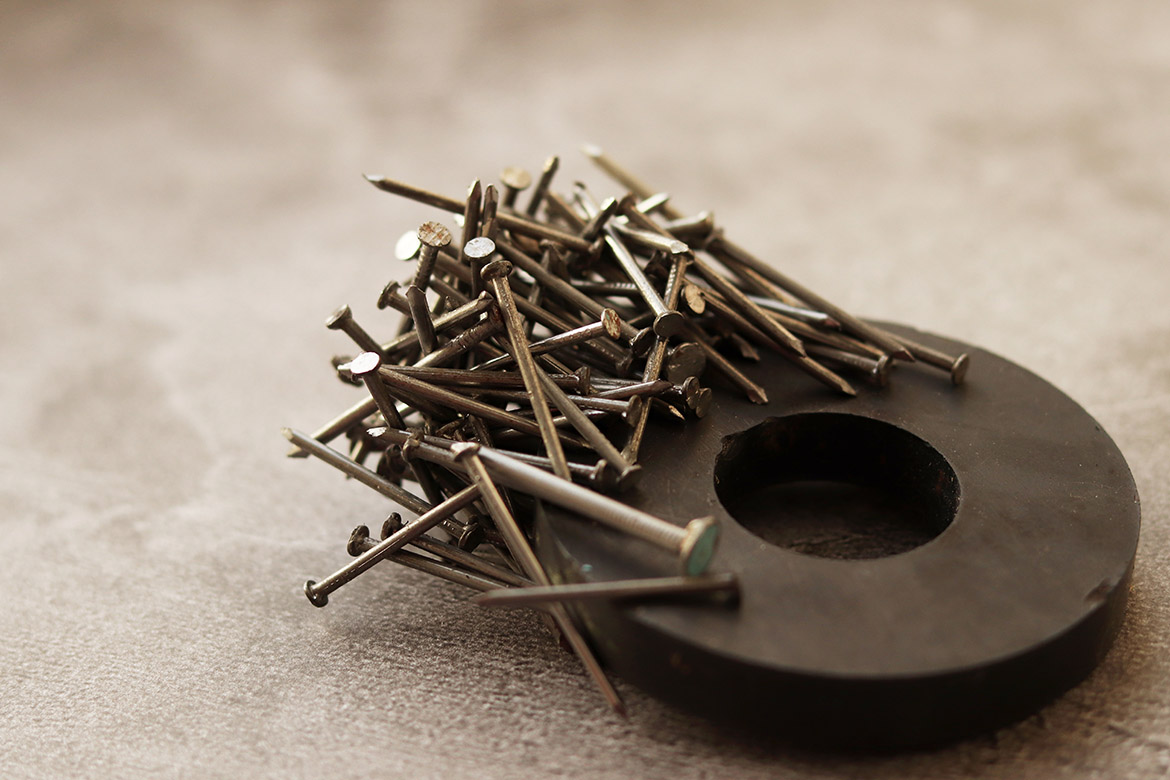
496,269
698,546
959,369
612,323
340,315
434,234
365,363
354,546
516,178
315,598
479,247
464,450
670,323
387,294
643,341
407,247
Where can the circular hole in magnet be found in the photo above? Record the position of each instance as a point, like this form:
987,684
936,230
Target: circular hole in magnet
836,485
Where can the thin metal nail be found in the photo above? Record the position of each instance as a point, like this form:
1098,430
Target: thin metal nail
609,325
515,181
318,592
360,543
684,361
432,236
365,367
542,185
342,319
510,222
489,224
495,274
615,590
453,554
468,455
420,312
360,473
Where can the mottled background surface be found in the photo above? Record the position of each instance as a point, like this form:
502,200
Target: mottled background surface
181,206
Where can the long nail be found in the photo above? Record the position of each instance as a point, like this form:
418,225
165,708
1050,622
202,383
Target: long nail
542,185
726,251
318,592
432,236
454,555
616,590
454,401
342,319
421,314
667,322
515,181
496,274
584,426
511,222
609,325
360,543
358,472
468,455
365,367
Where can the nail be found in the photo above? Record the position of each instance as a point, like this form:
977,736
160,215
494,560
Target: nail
797,312
609,325
667,322
542,185
360,473
654,203
754,392
675,281
432,236
408,246
318,592
414,388
601,444
454,555
495,274
956,366
489,224
683,361
877,371
727,252
615,590
558,208
624,177
468,455
515,181
365,368
420,313
342,319
556,285
511,222
598,219
476,379
652,240
360,543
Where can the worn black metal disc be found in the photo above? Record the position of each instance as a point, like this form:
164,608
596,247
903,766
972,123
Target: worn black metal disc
924,562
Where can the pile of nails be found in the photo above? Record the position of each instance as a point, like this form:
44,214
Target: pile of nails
530,355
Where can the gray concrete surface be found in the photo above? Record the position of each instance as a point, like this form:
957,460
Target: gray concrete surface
181,206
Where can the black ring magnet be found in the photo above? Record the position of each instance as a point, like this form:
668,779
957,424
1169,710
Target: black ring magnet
1008,526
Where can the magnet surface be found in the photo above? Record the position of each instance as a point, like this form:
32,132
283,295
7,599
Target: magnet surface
980,545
